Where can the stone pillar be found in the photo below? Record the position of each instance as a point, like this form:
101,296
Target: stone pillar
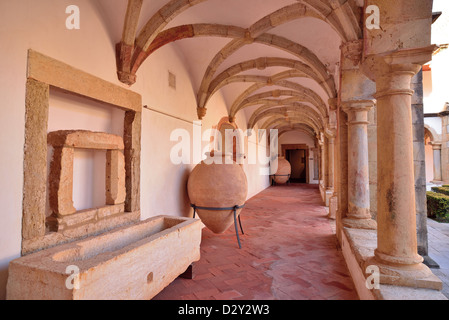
328,190
372,156
323,170
354,86
316,164
331,190
419,155
437,175
342,171
331,163
333,202
396,254
358,215
445,146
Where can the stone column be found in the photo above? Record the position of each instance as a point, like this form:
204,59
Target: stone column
437,175
359,215
333,202
323,170
316,164
330,192
331,163
445,145
342,171
327,173
396,254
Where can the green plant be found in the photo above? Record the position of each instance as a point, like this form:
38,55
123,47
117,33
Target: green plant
442,190
438,206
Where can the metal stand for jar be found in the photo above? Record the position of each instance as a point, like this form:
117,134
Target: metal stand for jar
235,208
273,182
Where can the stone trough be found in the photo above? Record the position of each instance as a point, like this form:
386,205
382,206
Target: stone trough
132,262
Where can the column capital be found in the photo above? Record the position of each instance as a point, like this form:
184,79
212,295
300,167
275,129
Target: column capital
353,50
407,62
357,110
436,145
355,105
330,134
201,113
333,104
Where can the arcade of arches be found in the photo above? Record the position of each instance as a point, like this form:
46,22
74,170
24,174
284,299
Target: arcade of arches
346,93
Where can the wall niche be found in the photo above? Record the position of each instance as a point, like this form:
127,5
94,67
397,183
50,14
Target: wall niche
44,227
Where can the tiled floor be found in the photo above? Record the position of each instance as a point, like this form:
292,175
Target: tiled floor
289,252
439,251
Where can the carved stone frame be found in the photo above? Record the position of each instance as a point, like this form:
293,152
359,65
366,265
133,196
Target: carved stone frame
42,73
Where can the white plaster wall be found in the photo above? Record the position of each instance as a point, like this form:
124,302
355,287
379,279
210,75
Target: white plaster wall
40,25
435,82
429,163
436,124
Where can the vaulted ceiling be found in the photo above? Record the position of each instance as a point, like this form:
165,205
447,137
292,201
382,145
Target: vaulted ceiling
277,61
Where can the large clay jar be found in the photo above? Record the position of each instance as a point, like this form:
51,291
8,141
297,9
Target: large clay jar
217,186
283,172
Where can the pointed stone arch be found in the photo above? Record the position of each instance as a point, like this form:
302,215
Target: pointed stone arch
295,108
130,55
297,69
280,120
305,95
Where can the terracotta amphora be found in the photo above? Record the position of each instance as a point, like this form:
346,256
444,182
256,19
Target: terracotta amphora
217,182
283,172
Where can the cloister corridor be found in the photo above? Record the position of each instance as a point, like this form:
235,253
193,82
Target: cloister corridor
289,252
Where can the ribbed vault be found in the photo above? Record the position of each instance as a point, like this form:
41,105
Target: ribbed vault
295,98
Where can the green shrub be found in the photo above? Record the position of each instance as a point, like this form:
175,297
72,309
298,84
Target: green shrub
438,206
442,190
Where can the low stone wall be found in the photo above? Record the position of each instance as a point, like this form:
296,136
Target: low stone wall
358,248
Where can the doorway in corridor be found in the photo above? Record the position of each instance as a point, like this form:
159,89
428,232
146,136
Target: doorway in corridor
297,155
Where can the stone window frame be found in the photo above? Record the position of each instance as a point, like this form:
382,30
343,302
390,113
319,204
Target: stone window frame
44,72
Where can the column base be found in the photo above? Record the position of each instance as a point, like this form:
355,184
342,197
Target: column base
353,223
414,276
333,207
328,195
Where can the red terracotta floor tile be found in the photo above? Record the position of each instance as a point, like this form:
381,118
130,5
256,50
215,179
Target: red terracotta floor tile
289,252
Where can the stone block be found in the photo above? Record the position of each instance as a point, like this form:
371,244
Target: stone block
82,139
61,170
115,177
333,207
73,80
132,140
98,226
61,182
35,159
135,256
58,224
